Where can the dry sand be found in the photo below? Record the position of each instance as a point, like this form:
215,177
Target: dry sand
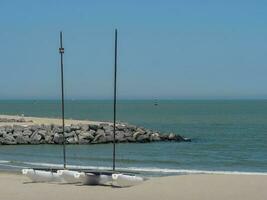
43,120
204,187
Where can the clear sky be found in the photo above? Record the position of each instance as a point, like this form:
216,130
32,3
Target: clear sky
167,49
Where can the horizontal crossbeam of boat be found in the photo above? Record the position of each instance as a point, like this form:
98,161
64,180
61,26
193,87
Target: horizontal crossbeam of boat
93,171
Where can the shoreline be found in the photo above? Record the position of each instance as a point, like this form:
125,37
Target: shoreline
10,166
183,187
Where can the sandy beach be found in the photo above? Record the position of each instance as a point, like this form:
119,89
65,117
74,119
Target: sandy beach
184,187
44,120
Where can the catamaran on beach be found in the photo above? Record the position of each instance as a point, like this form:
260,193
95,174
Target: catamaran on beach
85,176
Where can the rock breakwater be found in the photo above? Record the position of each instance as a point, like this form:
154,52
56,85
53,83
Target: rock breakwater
82,134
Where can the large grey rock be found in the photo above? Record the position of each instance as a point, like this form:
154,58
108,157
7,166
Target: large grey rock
43,133
102,140
35,138
20,139
120,136
78,132
10,142
136,135
57,129
128,133
108,139
2,132
86,135
58,138
34,128
51,133
121,127
93,127
83,141
172,136
144,138
17,133
164,137
9,139
100,131
27,132
2,141
130,139
99,137
49,139
60,130
67,129
70,134
107,129
141,130
108,133
84,127
178,138
92,132
102,125
74,127
131,127
155,137
72,140
9,129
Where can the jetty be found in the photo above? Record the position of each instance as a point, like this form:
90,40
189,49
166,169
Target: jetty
32,130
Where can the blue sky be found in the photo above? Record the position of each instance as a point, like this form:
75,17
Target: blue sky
167,49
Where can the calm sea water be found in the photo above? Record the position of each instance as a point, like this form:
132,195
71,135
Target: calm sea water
227,136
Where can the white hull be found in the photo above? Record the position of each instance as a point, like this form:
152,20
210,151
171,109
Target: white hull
122,180
68,176
93,179
42,175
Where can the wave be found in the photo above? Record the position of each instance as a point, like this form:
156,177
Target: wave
4,161
129,169
190,171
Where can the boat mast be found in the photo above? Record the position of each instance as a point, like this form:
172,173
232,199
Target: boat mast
61,51
115,101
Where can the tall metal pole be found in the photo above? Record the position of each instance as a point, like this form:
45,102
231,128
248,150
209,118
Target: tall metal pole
115,102
61,51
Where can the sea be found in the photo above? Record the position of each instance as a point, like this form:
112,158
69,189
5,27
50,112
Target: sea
228,136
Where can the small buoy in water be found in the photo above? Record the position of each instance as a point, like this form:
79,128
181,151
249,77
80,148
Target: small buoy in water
156,102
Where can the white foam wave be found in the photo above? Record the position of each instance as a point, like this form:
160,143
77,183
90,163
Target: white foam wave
11,166
4,161
189,171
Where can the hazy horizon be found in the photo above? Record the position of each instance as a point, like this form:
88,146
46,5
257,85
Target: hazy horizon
140,99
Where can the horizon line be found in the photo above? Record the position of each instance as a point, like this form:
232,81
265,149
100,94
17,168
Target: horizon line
129,99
